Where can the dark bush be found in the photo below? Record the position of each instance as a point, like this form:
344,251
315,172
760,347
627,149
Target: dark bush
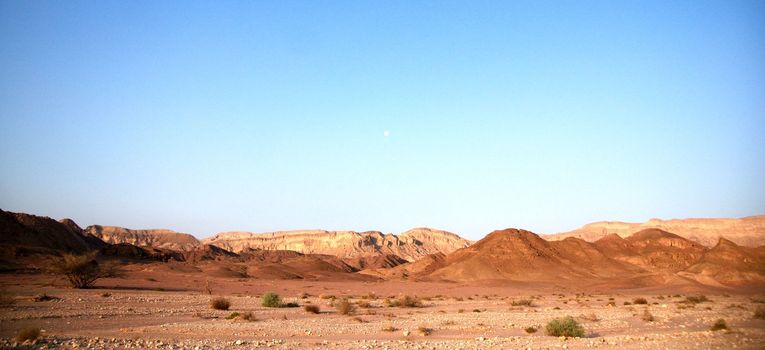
220,303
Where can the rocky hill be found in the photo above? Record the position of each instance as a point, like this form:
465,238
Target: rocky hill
748,231
410,245
646,258
157,238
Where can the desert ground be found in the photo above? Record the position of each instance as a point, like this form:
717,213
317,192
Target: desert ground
149,309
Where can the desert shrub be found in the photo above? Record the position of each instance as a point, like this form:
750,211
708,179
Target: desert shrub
248,316
627,303
425,330
44,297
647,316
759,313
564,327
719,325
639,301
232,316
28,334
314,309
82,271
6,300
476,310
271,300
530,330
220,303
345,307
405,301
695,299
522,302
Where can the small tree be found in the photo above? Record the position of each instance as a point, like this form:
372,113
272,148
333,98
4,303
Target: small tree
82,271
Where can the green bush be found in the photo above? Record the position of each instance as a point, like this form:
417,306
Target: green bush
220,303
564,327
271,300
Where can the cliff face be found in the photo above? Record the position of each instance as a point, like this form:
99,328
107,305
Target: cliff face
747,232
165,239
409,245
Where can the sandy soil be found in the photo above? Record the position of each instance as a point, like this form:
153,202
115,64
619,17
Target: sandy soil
171,311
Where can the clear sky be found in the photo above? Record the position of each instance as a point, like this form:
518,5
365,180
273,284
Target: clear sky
466,116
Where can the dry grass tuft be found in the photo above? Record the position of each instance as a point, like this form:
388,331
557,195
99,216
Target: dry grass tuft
759,313
28,334
719,325
522,302
313,309
345,307
647,316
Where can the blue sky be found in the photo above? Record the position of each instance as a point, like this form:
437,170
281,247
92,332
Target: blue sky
271,115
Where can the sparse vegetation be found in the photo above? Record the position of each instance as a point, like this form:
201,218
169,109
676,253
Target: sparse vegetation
28,334
248,316
345,307
232,316
522,302
44,297
271,300
695,299
759,313
389,329
405,301
476,310
639,301
220,303
530,330
719,325
647,316
425,330
313,309
82,271
564,327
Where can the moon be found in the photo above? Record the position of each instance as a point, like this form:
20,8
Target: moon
386,133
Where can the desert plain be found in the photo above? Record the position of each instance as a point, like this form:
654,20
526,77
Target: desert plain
650,290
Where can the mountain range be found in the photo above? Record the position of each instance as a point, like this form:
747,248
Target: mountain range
621,259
